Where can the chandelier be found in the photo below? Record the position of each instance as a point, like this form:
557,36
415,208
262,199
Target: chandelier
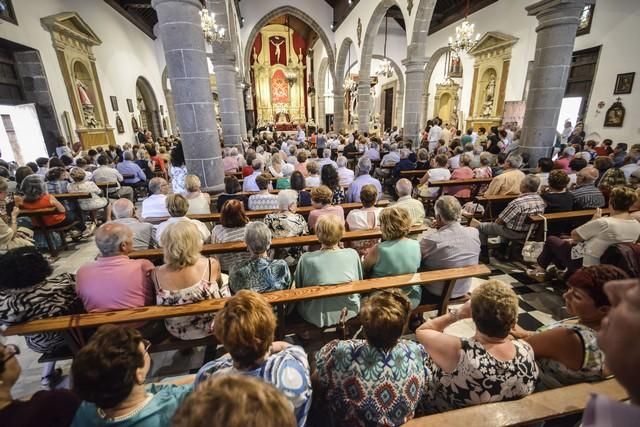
465,39
291,73
210,30
385,69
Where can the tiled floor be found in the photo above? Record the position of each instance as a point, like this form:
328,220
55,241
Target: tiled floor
540,304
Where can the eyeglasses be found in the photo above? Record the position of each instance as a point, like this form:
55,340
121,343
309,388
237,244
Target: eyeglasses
146,344
13,351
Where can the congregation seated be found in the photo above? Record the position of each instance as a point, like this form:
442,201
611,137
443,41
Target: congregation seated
329,178
484,169
312,179
199,202
301,165
487,367
589,241
235,401
284,182
123,212
230,159
263,200
82,185
414,207
232,188
586,195
246,327
312,270
326,159
422,159
57,180
178,206
508,182
186,277
439,173
364,364
363,178
513,221
287,223
129,167
275,167
109,376
405,163
396,254
260,273
450,246
463,171
12,236
321,199
365,218
35,196
567,352
345,175
298,183
155,205
233,221
565,158
613,177
249,183
108,174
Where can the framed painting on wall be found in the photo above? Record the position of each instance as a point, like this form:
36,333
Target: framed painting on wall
134,124
624,83
584,25
119,124
6,11
615,115
130,105
114,103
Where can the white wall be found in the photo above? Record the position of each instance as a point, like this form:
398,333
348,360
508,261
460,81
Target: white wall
125,54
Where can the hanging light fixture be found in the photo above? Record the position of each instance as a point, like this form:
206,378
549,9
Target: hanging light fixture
385,69
210,30
464,35
291,73
349,83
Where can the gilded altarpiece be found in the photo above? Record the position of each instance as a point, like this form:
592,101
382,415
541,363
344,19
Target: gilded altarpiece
73,41
279,101
446,101
490,73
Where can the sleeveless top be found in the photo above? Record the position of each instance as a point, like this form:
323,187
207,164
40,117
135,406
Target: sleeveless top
554,374
397,257
481,378
198,205
190,327
45,202
363,219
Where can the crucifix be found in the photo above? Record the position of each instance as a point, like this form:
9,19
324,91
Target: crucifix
277,45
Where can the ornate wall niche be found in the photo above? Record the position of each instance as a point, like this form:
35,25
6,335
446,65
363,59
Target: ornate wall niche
446,101
73,41
491,70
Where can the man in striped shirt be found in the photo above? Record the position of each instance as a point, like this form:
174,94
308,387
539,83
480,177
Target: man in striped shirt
586,195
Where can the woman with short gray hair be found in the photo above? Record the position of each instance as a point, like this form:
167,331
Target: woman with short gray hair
260,273
287,223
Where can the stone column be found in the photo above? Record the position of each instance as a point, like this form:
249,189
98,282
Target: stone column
364,103
558,23
241,108
320,111
414,78
228,98
338,110
181,36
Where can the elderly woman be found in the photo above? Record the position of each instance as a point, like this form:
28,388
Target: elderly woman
439,173
284,182
178,169
263,200
287,223
233,221
232,191
313,174
484,170
556,197
396,254
488,367
109,375
28,293
177,205
12,237
342,365
186,277
143,160
155,205
57,180
329,178
81,185
301,166
567,352
230,160
462,172
36,197
199,202
365,218
298,184
589,241
328,266
275,168
260,274
246,327
321,198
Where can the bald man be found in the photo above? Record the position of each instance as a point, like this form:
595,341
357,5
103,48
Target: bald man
123,212
586,195
413,206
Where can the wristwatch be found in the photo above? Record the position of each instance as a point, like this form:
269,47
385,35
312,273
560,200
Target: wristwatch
455,313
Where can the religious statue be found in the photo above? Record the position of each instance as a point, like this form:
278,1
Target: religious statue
277,46
87,107
453,119
489,94
82,93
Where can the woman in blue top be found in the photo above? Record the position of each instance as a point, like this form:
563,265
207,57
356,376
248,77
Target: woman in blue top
109,375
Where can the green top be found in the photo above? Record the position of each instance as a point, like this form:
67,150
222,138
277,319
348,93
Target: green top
328,267
399,257
283,184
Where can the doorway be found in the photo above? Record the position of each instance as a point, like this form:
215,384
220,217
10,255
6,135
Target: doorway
148,108
581,75
388,109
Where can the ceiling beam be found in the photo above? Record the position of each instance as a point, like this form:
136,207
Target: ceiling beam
132,17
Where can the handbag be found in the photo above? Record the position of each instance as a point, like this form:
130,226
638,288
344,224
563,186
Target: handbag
532,249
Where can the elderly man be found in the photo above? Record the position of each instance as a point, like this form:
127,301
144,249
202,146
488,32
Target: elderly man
413,206
586,195
129,167
405,163
249,183
364,167
509,181
105,173
345,175
154,206
513,221
326,159
373,152
451,246
123,212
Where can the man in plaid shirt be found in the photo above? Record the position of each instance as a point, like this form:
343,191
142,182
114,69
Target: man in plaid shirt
513,222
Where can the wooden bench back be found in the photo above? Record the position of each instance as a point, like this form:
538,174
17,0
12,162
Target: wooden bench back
72,196
566,216
449,183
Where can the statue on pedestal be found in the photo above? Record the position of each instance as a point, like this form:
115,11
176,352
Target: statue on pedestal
489,94
86,104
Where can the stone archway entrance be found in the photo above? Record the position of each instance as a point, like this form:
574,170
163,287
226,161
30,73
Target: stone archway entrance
148,107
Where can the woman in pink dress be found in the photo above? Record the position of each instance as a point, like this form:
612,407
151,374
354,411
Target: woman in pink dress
463,172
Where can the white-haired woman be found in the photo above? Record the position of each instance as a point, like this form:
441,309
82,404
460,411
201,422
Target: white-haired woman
260,273
230,160
275,168
199,202
284,183
287,223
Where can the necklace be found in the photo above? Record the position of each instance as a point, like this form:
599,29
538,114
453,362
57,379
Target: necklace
135,411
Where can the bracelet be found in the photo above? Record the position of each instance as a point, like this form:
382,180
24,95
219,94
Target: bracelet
455,313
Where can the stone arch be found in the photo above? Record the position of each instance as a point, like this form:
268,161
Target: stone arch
338,93
428,72
365,60
293,11
152,109
400,90
424,12
320,83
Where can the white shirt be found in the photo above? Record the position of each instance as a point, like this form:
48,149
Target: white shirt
345,176
601,233
312,181
454,162
414,207
435,133
249,183
204,231
154,206
438,174
391,158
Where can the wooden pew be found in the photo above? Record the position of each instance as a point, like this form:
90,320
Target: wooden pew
106,186
535,408
417,173
74,197
39,226
495,204
571,220
304,211
282,242
71,325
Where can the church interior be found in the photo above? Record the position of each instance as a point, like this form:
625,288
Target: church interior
319,213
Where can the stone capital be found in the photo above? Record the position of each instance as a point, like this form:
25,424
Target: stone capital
194,3
415,65
552,13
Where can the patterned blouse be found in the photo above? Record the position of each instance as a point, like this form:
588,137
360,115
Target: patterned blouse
178,174
554,374
56,296
260,275
288,371
481,378
283,224
338,196
367,386
92,203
